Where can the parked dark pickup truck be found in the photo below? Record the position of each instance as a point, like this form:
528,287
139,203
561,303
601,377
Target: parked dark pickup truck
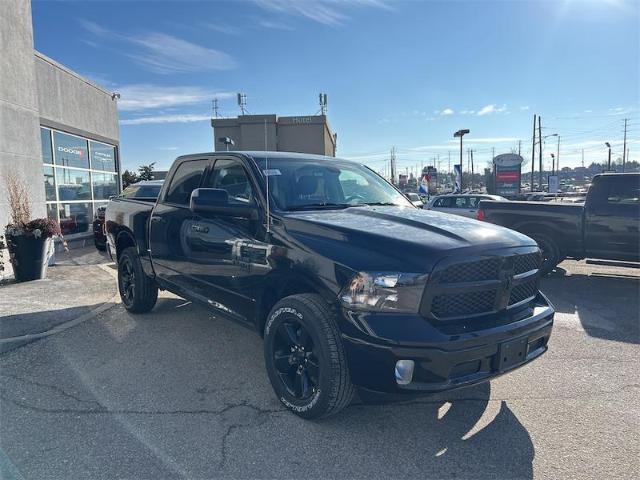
348,283
607,226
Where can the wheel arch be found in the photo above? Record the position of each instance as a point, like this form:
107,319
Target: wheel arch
281,286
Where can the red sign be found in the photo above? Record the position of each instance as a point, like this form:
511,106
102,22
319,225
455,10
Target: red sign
508,176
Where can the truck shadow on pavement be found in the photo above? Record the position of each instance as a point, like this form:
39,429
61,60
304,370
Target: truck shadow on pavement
606,305
178,393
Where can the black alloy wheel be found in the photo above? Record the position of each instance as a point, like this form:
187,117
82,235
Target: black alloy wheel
138,291
295,360
127,281
305,358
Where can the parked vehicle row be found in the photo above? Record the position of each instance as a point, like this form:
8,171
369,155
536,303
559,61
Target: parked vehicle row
606,226
464,204
347,282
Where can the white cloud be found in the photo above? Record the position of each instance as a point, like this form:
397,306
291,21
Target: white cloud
471,140
178,118
491,108
447,111
148,96
164,54
222,28
524,108
325,12
270,24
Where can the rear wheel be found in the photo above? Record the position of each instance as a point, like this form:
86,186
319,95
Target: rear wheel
551,256
137,291
305,358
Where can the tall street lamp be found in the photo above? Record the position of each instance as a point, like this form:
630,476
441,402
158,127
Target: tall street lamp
609,160
461,133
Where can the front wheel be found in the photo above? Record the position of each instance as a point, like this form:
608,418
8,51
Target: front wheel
305,358
138,292
550,252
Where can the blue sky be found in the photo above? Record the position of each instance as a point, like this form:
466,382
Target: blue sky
397,73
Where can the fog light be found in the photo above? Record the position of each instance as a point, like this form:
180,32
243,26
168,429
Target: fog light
404,371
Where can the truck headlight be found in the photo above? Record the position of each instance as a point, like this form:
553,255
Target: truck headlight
384,291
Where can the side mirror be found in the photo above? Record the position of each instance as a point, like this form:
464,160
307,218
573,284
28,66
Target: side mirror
216,201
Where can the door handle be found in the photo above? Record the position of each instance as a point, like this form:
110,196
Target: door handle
157,219
200,229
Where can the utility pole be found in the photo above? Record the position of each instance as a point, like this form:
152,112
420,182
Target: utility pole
533,151
624,145
449,152
471,169
583,158
558,157
519,146
540,152
393,165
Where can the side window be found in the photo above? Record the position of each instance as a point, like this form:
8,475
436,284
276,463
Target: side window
445,202
473,202
185,180
461,202
230,175
624,192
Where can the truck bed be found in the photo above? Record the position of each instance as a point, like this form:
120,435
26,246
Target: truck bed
562,221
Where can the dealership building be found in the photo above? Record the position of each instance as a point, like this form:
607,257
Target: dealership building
58,131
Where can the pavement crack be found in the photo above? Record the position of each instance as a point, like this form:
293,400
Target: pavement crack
107,411
54,388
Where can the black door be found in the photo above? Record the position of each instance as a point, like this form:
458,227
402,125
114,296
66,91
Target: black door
612,218
226,257
171,222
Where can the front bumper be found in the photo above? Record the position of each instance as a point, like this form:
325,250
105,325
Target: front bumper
443,360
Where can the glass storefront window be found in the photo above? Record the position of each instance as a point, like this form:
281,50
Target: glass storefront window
45,140
70,151
52,211
49,183
73,184
105,185
75,217
80,175
103,157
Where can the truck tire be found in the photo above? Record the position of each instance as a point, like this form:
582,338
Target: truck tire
305,358
550,252
137,291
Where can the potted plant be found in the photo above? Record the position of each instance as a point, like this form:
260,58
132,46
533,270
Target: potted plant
29,241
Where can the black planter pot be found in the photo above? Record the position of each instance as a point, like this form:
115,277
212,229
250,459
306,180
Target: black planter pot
28,256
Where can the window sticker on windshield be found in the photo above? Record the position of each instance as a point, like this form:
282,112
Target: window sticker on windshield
271,171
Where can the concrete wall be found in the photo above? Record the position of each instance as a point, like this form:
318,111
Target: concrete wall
72,103
20,149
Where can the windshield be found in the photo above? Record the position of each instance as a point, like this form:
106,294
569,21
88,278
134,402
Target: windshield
308,184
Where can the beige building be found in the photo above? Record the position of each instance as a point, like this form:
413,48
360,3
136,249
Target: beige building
309,134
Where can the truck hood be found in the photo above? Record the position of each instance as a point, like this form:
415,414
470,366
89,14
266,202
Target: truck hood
396,238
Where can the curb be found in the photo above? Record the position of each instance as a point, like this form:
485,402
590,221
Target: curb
9,344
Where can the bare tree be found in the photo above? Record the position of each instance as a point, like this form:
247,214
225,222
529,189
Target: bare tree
18,196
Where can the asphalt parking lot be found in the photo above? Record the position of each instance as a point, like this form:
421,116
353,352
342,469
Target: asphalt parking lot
178,393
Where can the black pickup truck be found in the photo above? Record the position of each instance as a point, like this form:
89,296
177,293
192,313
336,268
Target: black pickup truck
606,226
349,284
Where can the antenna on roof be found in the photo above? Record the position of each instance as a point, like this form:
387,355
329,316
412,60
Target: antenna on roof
323,103
266,175
215,107
242,102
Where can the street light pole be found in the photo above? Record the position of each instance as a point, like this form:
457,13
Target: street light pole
461,133
609,160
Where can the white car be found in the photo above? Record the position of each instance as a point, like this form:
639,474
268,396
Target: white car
415,199
464,204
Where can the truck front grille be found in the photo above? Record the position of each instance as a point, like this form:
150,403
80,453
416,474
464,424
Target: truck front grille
455,304
482,285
